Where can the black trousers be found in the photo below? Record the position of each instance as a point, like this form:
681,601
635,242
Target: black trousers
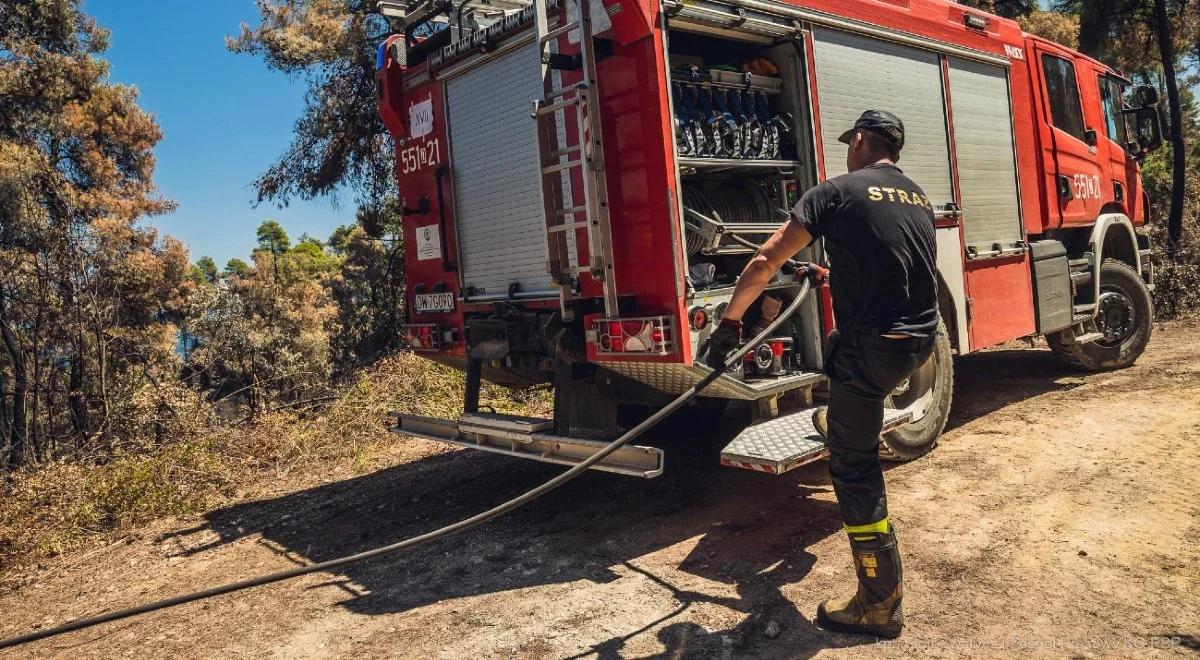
863,368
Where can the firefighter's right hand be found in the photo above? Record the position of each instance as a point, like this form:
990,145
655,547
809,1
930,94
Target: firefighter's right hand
816,273
722,340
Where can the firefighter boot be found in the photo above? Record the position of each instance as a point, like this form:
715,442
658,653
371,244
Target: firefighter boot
820,420
875,607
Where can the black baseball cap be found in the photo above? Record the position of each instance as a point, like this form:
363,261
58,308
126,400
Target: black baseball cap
881,122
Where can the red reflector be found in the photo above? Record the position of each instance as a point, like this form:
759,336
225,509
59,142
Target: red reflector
649,334
427,337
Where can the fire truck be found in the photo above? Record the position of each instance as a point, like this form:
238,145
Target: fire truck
582,181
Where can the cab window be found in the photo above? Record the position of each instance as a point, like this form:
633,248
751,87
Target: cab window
1063,94
1110,100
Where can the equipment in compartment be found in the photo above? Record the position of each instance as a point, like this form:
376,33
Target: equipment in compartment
739,150
728,114
770,358
716,213
775,356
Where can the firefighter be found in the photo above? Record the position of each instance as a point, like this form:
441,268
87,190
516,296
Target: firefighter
879,236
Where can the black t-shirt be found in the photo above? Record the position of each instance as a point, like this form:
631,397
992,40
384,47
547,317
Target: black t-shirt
878,231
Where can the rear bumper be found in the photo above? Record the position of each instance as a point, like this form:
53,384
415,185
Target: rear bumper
525,437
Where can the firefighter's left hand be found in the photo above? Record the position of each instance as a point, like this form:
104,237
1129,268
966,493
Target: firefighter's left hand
723,340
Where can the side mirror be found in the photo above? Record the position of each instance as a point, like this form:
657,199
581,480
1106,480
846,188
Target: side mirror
1090,137
1145,95
1148,129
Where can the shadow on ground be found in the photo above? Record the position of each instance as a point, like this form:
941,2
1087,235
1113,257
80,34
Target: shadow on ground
987,381
752,529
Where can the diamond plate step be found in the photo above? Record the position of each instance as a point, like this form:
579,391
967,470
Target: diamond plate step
506,422
787,442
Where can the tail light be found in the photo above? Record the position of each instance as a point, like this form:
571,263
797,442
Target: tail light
427,336
648,335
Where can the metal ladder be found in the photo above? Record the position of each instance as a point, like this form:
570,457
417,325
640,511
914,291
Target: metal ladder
563,217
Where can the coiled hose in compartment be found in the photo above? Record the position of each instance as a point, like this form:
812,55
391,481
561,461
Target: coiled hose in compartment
731,203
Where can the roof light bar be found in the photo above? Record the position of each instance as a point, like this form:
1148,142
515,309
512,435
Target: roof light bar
975,21
392,8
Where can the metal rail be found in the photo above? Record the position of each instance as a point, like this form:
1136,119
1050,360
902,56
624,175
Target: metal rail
485,432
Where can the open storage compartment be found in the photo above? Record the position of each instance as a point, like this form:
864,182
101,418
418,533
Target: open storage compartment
732,101
744,149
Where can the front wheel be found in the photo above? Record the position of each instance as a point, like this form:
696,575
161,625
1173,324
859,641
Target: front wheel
1124,315
927,395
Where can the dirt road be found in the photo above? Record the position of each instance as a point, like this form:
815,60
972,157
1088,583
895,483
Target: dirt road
1059,517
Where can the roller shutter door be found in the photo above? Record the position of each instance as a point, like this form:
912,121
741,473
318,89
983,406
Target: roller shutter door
494,156
983,137
856,73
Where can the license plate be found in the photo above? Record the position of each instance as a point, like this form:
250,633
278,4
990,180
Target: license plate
434,302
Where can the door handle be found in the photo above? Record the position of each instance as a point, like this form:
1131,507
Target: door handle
1064,188
447,264
949,210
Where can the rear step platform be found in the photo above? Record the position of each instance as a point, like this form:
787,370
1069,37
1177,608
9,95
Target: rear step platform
788,442
529,437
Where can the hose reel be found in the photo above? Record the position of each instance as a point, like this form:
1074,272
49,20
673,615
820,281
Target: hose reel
739,207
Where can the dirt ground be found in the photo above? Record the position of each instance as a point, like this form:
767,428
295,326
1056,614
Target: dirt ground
1058,518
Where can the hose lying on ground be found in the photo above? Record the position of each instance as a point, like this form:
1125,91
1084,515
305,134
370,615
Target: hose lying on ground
454,528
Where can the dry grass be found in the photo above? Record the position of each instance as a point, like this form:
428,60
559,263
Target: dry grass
50,509
1176,277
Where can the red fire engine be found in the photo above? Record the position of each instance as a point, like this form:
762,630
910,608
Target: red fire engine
583,180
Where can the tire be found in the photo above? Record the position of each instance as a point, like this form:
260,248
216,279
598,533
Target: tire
1122,291
934,382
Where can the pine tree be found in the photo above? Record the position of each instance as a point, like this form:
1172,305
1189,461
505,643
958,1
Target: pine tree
339,140
204,271
236,268
86,295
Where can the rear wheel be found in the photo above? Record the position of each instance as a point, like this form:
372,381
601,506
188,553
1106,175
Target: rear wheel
927,394
1124,314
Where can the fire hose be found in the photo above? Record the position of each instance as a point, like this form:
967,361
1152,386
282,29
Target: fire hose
453,528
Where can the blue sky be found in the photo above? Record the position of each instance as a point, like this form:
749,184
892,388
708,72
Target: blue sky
225,119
